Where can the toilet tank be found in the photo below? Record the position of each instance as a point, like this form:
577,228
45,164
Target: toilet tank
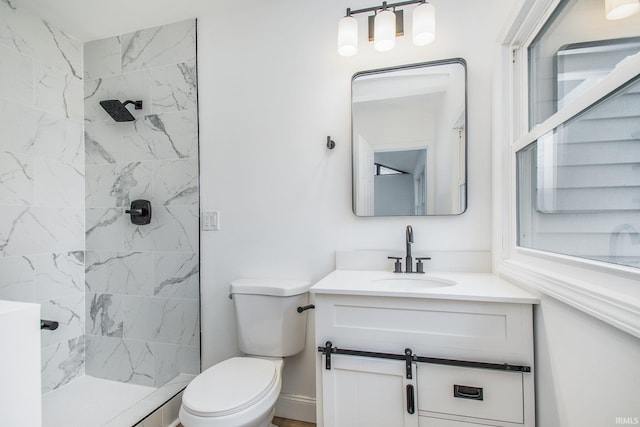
267,319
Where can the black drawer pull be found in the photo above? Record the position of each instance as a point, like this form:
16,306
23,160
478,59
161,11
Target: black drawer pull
411,406
467,392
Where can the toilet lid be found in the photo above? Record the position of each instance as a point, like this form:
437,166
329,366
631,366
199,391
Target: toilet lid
229,387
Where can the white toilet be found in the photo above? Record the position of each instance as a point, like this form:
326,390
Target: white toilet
242,391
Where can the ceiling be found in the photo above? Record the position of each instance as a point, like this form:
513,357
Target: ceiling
87,20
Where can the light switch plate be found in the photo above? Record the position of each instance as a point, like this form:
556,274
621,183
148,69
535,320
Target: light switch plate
211,221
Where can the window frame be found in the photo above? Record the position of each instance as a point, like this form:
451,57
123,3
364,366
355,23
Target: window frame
604,290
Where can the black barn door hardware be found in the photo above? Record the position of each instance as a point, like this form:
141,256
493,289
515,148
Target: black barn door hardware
329,349
411,404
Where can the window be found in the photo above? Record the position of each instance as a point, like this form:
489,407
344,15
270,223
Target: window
578,169
573,51
579,184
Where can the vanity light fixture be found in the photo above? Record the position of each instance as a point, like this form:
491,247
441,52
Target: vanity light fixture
619,9
384,30
386,23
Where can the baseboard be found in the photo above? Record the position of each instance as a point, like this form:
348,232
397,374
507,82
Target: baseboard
295,407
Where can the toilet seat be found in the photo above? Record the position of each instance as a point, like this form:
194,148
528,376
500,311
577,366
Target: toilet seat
230,387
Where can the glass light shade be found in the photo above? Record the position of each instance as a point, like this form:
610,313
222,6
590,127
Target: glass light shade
618,9
424,24
384,31
348,36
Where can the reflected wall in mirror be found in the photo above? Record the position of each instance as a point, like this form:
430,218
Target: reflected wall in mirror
409,140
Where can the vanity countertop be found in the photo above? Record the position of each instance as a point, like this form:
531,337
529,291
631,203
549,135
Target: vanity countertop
455,286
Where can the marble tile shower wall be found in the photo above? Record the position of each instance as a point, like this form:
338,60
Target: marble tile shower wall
42,183
142,309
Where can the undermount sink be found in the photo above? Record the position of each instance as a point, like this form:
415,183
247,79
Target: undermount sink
414,282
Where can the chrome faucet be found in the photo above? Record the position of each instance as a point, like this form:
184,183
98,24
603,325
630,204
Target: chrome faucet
408,259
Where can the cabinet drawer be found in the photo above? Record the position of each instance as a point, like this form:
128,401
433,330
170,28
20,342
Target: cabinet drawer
439,422
469,392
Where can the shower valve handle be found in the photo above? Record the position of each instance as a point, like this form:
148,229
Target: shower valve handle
140,212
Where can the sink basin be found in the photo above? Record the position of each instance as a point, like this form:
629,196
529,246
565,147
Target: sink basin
414,282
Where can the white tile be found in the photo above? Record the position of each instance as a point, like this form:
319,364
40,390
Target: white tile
61,228
35,230
16,179
102,58
103,142
58,274
162,320
26,130
114,185
171,229
162,136
19,126
17,281
105,229
57,183
175,182
170,397
170,389
168,44
24,32
61,363
61,139
58,92
119,360
119,272
104,314
74,98
69,312
174,88
16,77
176,275
172,360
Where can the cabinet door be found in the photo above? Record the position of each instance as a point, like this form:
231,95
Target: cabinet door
367,392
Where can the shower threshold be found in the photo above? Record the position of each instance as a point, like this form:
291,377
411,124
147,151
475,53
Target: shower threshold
94,402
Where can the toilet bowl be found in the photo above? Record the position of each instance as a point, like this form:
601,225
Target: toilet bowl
242,391
239,392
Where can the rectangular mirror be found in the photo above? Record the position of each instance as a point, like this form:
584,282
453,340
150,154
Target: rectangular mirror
409,139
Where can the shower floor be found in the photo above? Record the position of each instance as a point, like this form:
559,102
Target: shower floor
93,402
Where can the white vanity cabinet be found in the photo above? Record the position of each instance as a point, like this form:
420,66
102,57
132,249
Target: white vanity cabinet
471,359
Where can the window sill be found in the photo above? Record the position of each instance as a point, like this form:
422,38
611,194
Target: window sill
616,308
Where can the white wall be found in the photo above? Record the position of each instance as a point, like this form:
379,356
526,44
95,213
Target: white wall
587,372
271,88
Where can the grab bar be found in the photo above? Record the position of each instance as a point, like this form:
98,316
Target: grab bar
51,325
